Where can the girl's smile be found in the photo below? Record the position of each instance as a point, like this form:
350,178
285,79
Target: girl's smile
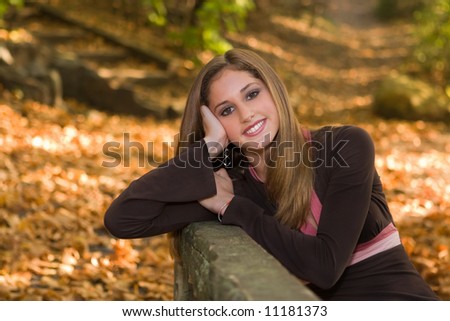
255,129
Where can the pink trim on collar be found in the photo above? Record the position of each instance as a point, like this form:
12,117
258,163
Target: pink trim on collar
254,174
310,228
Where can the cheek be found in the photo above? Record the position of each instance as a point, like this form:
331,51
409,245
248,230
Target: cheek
276,120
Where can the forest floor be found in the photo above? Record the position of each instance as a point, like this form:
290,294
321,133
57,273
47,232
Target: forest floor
57,181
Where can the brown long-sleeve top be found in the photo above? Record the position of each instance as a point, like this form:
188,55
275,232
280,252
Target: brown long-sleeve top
354,211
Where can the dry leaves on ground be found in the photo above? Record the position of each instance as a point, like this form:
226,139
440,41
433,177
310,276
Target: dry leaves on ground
54,191
53,194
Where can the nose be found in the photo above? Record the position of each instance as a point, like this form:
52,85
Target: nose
246,114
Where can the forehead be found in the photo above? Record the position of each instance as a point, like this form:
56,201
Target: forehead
231,81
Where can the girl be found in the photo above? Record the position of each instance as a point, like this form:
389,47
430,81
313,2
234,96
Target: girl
312,199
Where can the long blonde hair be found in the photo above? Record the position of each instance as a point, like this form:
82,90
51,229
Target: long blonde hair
289,187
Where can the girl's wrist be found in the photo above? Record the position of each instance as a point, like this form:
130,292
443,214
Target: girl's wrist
223,208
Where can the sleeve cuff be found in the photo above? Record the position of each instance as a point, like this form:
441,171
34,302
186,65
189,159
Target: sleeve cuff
241,211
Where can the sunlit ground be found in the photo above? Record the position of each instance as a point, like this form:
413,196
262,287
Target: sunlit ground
53,194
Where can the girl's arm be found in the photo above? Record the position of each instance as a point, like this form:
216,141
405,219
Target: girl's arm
181,191
164,199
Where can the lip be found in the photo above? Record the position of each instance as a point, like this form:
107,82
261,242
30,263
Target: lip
257,126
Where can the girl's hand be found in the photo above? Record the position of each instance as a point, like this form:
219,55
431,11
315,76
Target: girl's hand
225,192
215,136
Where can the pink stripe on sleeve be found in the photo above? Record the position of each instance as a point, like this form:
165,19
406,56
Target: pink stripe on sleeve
385,240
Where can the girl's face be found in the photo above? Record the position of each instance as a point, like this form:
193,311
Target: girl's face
245,108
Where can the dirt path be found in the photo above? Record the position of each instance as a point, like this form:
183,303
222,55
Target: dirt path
332,65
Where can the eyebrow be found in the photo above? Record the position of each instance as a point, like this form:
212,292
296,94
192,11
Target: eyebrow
242,90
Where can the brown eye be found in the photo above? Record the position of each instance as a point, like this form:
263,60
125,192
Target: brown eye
226,111
253,94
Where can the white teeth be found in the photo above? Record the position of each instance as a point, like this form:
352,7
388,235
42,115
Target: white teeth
255,128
